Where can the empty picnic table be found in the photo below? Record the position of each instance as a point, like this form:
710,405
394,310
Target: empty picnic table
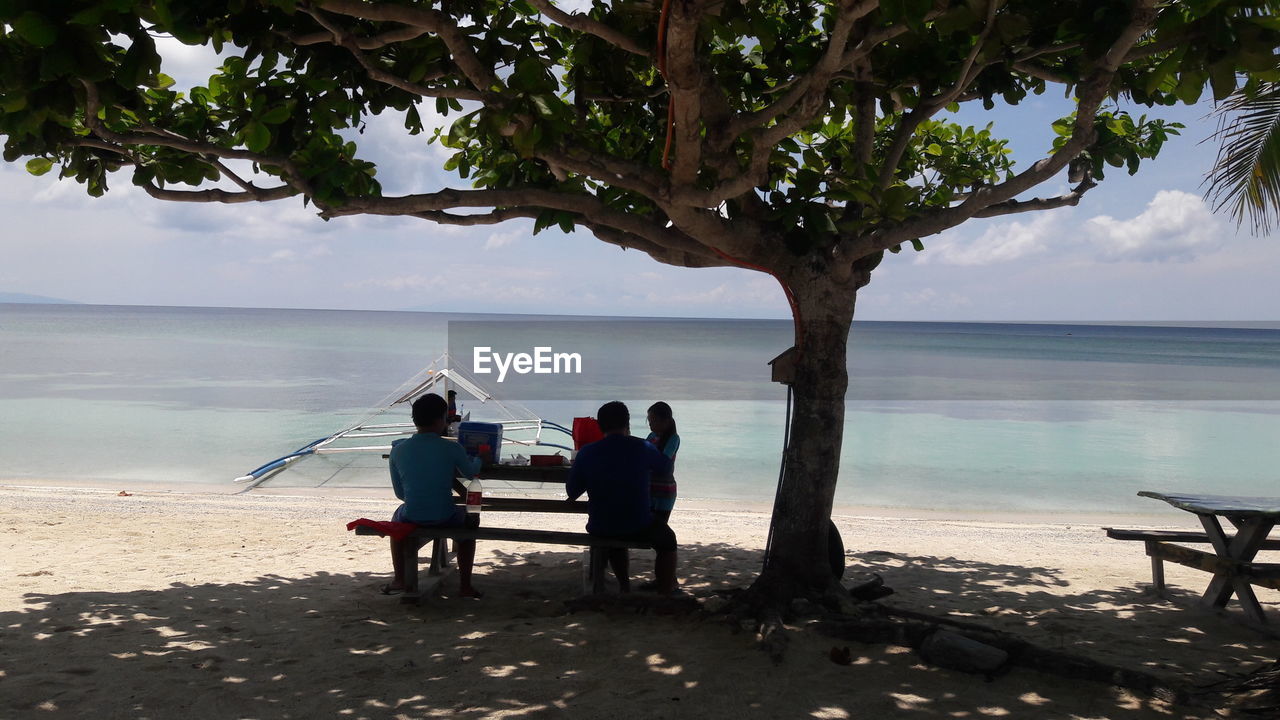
1231,562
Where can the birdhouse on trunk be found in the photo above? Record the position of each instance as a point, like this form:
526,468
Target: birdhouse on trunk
783,367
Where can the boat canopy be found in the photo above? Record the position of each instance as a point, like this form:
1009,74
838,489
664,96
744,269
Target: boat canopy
364,444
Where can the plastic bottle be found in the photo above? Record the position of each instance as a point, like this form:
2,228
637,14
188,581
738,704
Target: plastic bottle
475,496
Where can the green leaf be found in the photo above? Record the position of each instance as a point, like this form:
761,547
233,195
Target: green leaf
256,136
162,82
1222,78
919,246
542,103
276,115
39,166
35,29
565,221
1190,85
13,103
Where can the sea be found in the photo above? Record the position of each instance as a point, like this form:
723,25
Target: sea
1038,418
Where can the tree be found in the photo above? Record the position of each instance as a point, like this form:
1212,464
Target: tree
1245,180
799,139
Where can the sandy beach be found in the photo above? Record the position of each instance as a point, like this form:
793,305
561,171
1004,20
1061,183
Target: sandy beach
165,604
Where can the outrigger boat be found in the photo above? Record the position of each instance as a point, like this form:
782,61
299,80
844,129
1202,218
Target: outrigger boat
521,428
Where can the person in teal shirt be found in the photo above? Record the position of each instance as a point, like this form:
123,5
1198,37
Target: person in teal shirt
663,436
423,467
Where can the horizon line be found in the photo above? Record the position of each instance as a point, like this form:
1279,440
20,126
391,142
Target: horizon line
1208,323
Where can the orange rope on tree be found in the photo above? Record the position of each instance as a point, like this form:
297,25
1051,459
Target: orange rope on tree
662,70
786,290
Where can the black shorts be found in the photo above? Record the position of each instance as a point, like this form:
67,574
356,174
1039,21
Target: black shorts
659,535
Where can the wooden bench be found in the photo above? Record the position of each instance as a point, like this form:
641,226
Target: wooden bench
595,571
1159,549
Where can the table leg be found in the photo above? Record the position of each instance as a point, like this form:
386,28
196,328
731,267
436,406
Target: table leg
1240,549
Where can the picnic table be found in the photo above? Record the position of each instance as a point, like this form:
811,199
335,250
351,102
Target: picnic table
594,575
1232,560
555,474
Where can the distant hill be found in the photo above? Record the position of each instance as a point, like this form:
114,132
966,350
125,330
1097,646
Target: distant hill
41,299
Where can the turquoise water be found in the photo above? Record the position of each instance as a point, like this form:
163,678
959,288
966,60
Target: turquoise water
958,416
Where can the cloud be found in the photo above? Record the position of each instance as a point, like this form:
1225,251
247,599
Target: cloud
275,223
501,240
285,255
401,283
1000,243
1175,227
289,255
189,65
748,291
931,298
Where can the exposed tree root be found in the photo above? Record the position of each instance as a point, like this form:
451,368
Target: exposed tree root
1256,692
881,625
773,638
773,599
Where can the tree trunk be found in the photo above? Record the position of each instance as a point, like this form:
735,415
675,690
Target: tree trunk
798,562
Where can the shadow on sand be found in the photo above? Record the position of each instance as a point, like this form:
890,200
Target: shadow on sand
327,645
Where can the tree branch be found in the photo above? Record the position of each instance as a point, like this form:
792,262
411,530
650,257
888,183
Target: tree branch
489,218
446,28
664,255
590,207
93,104
375,42
1091,93
684,84
220,196
339,37
1012,207
807,98
1036,71
865,129
610,170
584,24
929,107
815,81
251,192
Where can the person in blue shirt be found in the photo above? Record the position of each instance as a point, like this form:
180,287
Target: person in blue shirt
615,473
663,435
423,467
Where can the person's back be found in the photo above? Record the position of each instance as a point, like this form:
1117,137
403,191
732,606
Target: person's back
615,473
422,470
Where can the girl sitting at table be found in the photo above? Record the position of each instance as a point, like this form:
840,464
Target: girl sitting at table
662,491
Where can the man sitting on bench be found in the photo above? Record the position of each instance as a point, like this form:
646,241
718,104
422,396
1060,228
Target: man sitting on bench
422,472
615,473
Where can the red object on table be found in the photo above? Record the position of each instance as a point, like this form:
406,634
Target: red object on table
585,431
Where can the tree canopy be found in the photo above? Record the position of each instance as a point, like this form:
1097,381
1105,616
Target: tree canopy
825,123
801,139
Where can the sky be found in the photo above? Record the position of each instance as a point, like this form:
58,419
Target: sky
1136,248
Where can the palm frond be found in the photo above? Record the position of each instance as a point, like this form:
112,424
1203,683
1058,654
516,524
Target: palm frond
1245,179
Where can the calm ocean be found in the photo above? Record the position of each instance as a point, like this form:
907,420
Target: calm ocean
949,416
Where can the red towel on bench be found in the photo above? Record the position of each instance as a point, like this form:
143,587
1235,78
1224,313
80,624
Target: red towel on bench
397,530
